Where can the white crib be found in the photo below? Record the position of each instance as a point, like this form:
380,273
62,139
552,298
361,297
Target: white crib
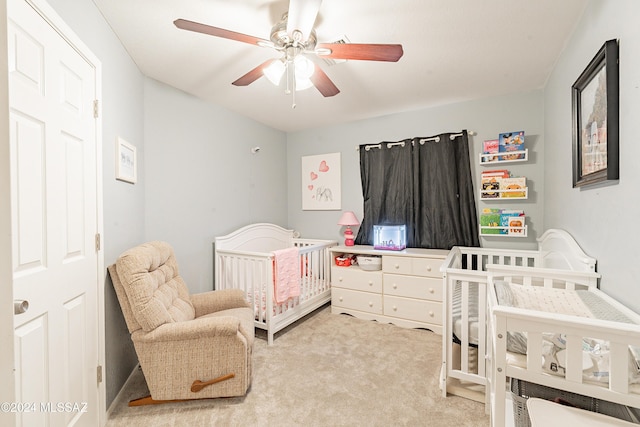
620,367
464,370
244,260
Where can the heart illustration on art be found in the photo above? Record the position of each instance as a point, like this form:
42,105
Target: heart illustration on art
310,187
323,166
314,176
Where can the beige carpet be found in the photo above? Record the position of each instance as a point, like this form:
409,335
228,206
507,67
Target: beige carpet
325,370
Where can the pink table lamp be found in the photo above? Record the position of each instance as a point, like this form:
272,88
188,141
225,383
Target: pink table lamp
348,218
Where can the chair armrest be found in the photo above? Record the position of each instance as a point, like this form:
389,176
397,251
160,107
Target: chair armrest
190,330
223,299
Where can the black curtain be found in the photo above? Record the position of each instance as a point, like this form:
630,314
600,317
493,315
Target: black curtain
424,183
387,187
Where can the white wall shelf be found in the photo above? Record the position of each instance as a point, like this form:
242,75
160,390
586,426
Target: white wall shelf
504,195
485,158
510,231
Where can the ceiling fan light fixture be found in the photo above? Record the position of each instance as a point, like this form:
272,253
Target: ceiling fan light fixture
274,72
301,66
304,67
302,84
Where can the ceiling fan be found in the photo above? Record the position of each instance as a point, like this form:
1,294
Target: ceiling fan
295,38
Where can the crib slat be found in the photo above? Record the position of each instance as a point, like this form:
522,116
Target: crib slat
618,369
465,327
534,351
574,358
482,331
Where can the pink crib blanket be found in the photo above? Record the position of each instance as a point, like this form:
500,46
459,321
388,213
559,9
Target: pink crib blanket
286,274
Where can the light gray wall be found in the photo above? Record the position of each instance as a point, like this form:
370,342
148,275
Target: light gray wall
487,117
124,212
203,180
603,218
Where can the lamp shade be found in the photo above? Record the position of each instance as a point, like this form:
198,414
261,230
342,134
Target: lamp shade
348,218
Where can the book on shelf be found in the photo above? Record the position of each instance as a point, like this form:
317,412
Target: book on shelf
490,146
500,173
506,216
490,218
509,142
510,187
516,225
489,187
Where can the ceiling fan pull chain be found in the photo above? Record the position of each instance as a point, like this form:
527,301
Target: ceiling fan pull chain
288,77
293,94
293,83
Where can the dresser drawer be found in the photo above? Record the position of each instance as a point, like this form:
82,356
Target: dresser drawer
413,287
427,267
356,300
411,309
356,279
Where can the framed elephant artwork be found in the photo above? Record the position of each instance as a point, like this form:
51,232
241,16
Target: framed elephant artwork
321,182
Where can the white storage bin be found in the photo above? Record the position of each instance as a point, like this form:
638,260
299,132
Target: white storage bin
370,263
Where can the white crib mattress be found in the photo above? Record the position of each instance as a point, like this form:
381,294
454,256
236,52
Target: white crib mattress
581,303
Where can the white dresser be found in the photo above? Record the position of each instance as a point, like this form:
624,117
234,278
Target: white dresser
406,292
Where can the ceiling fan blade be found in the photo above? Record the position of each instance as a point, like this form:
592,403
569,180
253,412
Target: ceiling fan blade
197,27
302,16
364,52
253,75
323,83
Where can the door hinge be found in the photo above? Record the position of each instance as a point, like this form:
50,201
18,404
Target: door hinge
95,108
97,242
99,374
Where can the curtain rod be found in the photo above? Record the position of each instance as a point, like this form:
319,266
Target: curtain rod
451,137
422,141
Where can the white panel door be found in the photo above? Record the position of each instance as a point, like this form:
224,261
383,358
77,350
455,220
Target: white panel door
54,218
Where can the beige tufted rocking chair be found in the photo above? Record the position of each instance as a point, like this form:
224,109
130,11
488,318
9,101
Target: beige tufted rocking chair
189,346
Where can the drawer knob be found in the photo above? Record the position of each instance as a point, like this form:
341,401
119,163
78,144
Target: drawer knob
340,278
428,268
370,282
431,314
397,266
431,290
395,308
340,299
370,304
395,286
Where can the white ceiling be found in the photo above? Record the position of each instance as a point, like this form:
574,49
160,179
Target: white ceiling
454,50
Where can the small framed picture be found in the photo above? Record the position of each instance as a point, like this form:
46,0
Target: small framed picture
595,102
126,162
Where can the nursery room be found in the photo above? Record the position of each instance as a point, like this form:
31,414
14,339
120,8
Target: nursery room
447,187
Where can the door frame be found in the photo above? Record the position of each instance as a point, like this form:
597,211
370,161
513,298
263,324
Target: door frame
7,363
7,389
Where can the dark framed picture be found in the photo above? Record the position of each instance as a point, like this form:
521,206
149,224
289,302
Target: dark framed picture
595,102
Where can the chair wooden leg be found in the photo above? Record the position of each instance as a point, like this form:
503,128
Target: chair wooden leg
148,400
195,387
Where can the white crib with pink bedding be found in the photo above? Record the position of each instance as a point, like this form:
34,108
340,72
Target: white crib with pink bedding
244,259
555,329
